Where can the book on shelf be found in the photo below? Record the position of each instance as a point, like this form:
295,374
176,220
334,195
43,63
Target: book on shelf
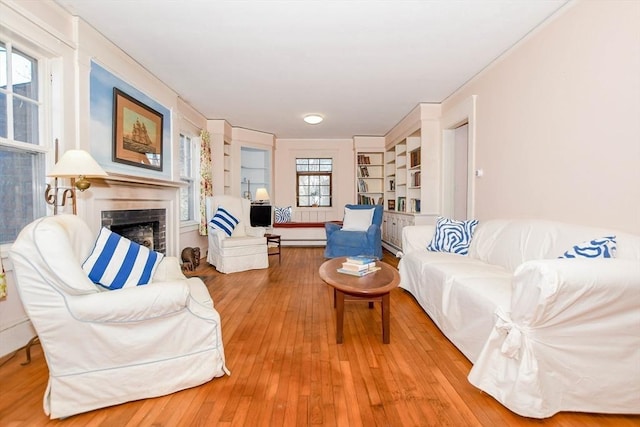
361,259
363,160
414,158
401,204
415,205
357,267
415,179
358,273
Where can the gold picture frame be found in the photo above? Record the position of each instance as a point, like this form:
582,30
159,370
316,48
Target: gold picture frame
137,132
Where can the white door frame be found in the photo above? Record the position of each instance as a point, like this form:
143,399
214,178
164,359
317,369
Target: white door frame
464,112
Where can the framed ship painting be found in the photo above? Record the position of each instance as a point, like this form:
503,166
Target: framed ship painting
137,132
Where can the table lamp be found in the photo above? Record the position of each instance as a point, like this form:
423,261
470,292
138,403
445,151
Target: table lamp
262,196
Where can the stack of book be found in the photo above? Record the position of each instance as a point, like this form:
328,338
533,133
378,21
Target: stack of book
359,266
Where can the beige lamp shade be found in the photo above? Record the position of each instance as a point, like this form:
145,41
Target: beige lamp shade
262,194
74,163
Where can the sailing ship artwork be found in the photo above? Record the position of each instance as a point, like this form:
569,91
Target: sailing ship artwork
137,132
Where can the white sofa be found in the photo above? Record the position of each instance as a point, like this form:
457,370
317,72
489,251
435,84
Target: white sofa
544,334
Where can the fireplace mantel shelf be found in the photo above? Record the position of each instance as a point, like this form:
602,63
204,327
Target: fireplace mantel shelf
129,179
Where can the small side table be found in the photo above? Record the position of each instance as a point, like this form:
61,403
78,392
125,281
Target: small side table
275,241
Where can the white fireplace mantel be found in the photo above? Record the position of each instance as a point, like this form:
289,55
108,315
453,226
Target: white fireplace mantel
125,193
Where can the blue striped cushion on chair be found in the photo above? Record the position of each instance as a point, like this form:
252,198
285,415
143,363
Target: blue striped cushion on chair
224,221
116,262
604,247
452,236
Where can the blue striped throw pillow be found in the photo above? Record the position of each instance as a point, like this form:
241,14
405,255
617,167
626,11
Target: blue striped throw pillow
604,247
116,262
224,221
282,215
452,236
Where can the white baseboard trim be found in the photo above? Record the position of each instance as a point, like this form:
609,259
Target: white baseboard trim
16,336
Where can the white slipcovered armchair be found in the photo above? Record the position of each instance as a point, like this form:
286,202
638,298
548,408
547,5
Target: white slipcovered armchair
246,248
105,347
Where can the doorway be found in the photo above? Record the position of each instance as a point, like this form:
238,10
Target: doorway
458,148
460,171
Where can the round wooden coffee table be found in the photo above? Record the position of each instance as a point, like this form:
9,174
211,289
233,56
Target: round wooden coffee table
370,288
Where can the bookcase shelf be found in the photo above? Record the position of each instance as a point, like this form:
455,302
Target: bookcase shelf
370,177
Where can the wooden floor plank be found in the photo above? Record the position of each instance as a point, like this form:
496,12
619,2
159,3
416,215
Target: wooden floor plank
278,327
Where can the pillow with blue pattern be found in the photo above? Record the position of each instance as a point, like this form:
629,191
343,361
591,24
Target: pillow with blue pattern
224,221
452,236
604,247
282,215
116,262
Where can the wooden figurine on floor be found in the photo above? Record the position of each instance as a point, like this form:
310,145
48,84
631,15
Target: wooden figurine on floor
190,258
196,254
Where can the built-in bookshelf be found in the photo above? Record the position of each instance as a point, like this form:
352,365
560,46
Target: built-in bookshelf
400,170
403,170
414,172
370,177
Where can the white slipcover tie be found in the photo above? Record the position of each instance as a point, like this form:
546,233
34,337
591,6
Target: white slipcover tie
512,337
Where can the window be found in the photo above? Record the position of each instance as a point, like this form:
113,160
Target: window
314,182
22,160
189,167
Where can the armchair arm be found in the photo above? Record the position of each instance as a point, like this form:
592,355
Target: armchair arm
215,238
374,233
255,231
130,304
168,269
330,227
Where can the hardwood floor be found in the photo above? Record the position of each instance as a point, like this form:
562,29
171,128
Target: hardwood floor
287,370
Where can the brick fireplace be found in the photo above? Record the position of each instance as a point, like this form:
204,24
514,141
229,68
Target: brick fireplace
144,226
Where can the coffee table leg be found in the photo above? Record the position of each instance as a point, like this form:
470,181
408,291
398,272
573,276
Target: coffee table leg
386,314
339,316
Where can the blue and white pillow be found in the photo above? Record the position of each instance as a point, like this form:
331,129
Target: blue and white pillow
452,236
116,262
223,220
604,247
282,215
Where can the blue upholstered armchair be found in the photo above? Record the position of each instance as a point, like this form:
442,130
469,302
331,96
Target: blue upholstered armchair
341,242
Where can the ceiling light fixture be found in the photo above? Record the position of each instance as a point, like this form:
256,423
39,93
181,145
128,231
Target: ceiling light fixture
313,119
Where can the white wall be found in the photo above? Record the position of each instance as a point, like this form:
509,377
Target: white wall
342,153
558,134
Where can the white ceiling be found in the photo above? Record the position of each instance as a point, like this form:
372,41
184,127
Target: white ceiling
363,65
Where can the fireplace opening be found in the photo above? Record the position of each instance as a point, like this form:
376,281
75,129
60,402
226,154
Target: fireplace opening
144,226
142,234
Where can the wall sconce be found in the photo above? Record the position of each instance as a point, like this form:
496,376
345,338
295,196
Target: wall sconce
262,196
77,165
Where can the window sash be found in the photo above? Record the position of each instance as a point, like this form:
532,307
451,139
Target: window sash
314,188
189,167
22,155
